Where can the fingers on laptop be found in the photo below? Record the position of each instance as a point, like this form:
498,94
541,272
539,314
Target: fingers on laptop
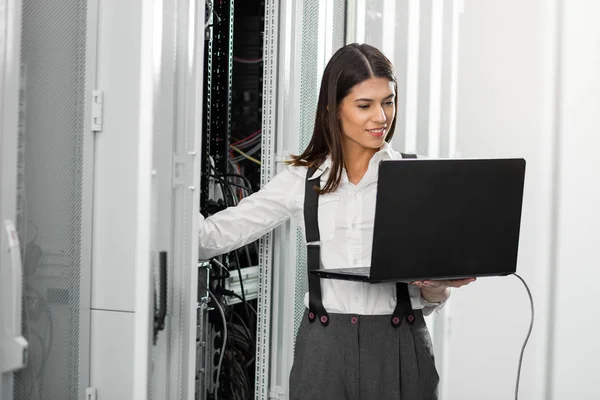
448,283
462,282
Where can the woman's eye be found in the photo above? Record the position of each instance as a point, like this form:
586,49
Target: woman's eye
363,106
389,103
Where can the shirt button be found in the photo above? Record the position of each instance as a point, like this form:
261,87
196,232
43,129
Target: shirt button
353,226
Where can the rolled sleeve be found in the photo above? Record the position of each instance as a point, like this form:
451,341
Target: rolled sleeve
419,303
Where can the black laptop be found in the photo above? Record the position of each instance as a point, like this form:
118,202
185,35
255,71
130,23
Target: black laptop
443,219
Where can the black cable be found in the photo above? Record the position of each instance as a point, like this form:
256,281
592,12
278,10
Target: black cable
237,350
224,273
526,339
229,185
242,354
247,253
224,182
225,338
234,199
244,179
240,347
245,333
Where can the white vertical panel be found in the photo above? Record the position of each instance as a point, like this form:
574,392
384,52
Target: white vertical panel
329,12
453,90
412,76
143,264
546,244
112,372
424,81
271,99
10,60
389,28
187,78
435,78
350,34
87,212
360,21
115,156
280,122
162,208
374,33
399,33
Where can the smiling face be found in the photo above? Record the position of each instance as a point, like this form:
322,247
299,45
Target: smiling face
367,112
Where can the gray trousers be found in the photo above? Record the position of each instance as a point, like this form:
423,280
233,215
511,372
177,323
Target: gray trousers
363,357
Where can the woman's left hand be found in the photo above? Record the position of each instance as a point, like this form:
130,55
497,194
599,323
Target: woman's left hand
438,290
440,285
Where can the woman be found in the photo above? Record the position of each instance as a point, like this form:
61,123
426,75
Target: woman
358,340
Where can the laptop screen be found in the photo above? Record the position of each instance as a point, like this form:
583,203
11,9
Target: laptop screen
447,218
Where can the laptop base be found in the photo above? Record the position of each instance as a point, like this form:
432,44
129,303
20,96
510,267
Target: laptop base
363,275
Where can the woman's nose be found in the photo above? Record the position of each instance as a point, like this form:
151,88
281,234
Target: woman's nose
379,116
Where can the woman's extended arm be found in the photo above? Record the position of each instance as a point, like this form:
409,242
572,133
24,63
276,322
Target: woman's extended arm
253,217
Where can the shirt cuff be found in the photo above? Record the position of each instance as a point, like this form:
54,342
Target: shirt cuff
419,302
429,308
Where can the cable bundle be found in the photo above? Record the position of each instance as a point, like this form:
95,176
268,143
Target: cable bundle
235,345
247,147
237,370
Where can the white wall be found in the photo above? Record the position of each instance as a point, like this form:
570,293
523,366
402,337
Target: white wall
511,74
575,348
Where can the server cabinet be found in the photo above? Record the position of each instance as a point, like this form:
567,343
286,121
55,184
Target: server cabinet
77,182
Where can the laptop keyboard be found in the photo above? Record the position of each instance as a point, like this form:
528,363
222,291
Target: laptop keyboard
352,271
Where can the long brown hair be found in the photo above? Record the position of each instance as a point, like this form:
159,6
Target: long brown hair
349,66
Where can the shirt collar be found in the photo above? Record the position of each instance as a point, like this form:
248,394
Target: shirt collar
325,167
385,153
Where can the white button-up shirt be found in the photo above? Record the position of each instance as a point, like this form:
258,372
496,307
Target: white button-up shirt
346,219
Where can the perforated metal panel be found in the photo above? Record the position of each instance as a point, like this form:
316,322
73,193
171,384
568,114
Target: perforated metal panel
309,93
310,81
50,194
339,24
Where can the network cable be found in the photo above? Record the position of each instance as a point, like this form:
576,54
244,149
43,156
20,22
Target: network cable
526,338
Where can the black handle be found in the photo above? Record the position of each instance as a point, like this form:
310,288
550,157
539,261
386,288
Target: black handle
161,313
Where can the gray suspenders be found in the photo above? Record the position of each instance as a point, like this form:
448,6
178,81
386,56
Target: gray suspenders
313,252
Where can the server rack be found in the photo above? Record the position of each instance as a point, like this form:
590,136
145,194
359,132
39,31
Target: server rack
231,170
